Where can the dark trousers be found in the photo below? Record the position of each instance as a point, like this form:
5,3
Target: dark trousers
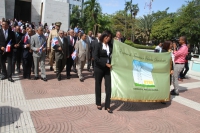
88,64
3,57
33,67
69,65
74,66
99,75
16,58
60,64
27,64
185,70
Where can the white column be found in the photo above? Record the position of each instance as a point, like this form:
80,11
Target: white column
9,8
35,11
2,9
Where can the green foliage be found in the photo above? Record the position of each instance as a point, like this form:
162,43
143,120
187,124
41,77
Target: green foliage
143,28
128,42
163,29
75,16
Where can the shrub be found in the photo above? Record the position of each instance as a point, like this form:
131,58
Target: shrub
139,46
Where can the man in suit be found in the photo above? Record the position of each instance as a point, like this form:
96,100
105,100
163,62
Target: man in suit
17,50
53,33
88,41
82,49
119,37
6,36
38,45
27,55
71,43
92,47
61,54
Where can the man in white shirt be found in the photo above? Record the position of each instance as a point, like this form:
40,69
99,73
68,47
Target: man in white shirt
158,48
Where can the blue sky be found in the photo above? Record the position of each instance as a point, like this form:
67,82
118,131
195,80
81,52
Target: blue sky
111,6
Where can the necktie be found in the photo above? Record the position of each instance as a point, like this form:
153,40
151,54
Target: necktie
40,39
17,34
71,41
5,34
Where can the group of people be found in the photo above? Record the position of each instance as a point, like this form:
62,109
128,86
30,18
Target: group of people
69,50
72,50
180,55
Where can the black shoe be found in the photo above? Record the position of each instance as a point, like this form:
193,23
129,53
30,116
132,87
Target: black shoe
28,77
174,92
59,79
51,68
82,80
109,110
2,78
99,107
36,78
44,79
68,77
10,79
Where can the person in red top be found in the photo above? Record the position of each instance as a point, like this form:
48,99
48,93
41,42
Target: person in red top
179,60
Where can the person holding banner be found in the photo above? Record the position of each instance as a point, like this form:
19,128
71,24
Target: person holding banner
38,45
7,41
179,60
167,45
61,53
82,49
102,59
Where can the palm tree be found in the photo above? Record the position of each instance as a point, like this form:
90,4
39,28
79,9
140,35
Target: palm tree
133,8
144,26
75,16
92,7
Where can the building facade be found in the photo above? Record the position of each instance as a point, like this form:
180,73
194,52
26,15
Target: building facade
44,11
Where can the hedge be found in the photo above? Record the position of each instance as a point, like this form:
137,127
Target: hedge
139,46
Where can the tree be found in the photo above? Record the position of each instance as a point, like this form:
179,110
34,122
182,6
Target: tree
144,25
91,10
133,9
75,16
187,22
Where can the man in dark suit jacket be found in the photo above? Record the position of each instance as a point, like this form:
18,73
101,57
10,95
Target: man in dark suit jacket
27,54
71,42
61,54
6,36
89,41
17,50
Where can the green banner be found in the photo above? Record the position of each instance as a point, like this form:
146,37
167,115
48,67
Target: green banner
139,76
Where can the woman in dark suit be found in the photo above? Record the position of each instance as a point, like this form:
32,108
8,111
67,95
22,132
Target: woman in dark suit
102,59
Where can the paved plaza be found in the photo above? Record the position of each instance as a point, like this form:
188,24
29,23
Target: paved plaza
68,106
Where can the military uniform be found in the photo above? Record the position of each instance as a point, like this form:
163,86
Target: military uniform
53,33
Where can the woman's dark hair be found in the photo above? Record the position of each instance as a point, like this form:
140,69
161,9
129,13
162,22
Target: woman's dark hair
166,45
105,34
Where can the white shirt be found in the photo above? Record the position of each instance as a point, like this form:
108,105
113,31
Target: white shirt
159,48
61,39
106,47
5,32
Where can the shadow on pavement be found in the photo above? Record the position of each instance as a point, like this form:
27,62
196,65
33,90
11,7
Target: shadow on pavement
9,115
137,106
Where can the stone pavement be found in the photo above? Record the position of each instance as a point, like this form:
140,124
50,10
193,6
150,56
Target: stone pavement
68,106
